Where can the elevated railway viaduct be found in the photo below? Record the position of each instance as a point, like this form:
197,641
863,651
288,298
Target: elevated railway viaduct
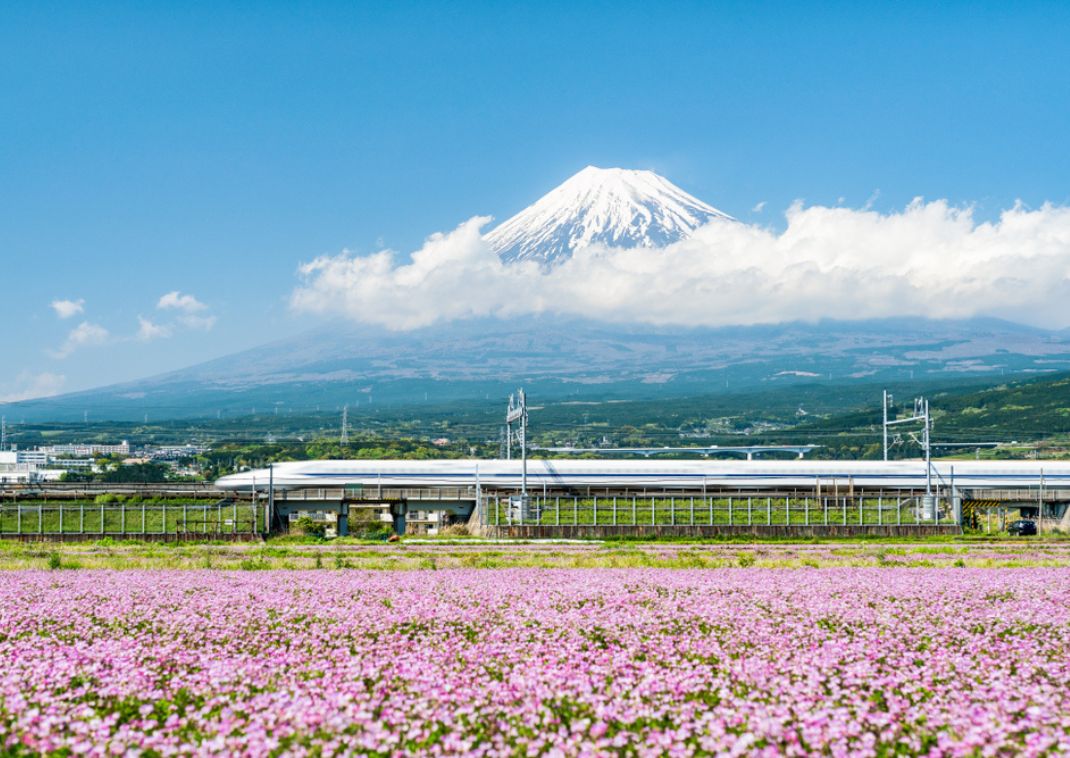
589,498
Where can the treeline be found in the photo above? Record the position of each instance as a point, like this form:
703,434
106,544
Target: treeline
134,473
229,457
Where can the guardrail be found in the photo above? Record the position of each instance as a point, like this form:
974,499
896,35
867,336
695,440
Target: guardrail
134,519
666,510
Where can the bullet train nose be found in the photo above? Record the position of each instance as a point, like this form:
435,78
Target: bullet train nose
233,482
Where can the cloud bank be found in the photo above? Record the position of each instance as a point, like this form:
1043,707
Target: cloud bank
930,259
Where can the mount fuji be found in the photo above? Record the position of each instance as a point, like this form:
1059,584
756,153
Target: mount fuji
570,358
614,207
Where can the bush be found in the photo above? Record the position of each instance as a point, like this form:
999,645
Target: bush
305,525
259,563
54,561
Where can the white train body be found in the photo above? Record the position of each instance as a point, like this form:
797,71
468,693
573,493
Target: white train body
560,474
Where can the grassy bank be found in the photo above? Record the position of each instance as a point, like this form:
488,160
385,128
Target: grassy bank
431,556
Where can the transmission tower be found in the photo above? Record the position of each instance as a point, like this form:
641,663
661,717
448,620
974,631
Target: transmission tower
921,414
518,411
345,425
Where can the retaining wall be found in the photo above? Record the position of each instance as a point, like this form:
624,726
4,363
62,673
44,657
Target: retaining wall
172,537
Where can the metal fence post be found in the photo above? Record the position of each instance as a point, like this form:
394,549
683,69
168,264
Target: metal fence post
595,514
729,511
614,510
635,513
806,511
692,510
672,510
750,511
769,511
61,517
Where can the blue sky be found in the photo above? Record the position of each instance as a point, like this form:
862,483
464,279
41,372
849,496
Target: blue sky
209,149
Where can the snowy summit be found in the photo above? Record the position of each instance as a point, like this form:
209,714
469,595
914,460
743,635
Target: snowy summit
615,207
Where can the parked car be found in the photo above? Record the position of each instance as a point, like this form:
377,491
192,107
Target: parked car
1022,527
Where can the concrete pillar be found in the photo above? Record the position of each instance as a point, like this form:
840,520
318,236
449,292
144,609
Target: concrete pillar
343,518
399,509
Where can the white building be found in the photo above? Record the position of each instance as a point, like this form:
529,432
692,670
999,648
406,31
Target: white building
123,448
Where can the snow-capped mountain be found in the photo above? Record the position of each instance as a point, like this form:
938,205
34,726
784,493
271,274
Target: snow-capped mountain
611,206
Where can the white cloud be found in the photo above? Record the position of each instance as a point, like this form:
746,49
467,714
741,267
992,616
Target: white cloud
148,330
203,323
175,300
929,259
28,386
68,308
85,334
190,309
758,207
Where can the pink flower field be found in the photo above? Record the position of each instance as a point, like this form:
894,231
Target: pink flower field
561,662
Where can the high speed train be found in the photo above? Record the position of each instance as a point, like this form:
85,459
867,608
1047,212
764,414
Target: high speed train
680,474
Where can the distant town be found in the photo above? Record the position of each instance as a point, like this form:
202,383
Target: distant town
70,462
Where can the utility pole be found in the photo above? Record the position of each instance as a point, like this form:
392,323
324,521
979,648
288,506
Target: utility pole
271,496
928,447
524,446
884,426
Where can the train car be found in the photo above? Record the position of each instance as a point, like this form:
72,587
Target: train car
560,474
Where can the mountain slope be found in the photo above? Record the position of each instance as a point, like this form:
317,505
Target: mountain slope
614,207
558,358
